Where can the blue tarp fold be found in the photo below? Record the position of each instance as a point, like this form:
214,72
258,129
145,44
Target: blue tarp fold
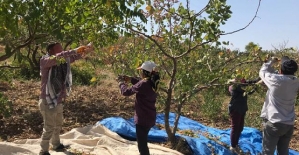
206,141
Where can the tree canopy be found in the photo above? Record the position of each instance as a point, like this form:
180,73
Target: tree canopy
27,26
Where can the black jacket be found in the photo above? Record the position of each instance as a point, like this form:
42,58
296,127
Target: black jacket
238,100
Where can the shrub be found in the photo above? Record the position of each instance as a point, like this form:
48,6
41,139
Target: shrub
28,73
5,106
82,76
211,107
255,103
7,74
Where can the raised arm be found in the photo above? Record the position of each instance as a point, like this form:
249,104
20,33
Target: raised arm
56,53
267,71
134,80
128,91
49,61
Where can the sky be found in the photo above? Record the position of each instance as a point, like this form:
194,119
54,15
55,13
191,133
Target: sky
276,25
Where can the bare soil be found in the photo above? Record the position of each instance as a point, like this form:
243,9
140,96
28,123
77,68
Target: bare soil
85,106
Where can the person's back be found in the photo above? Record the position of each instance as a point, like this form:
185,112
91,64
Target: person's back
280,100
145,108
278,110
238,100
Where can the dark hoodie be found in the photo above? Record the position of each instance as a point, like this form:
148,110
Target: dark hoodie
145,109
238,100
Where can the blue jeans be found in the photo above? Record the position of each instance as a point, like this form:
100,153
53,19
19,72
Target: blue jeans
276,136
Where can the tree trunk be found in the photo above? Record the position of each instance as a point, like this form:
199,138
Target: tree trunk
169,131
177,118
33,57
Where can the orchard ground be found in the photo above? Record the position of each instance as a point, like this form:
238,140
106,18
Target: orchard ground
87,105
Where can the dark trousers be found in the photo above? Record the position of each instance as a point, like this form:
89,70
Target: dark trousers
276,136
141,135
237,123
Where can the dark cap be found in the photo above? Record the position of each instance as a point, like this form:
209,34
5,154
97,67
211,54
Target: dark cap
288,66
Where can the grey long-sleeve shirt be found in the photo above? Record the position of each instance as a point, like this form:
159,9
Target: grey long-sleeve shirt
281,95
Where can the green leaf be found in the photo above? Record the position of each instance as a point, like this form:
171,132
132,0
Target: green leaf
8,50
67,10
225,42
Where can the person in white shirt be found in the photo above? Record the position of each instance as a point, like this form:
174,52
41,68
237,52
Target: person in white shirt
278,111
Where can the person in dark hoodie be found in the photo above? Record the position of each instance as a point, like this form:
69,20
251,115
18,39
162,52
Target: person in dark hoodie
145,89
237,109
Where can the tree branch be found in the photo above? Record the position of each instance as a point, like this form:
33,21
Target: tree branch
223,65
187,17
164,66
4,57
210,68
191,49
153,40
198,88
33,56
67,44
27,42
191,24
203,9
7,66
241,63
174,13
163,90
258,7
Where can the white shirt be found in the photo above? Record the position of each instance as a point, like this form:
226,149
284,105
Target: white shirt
279,105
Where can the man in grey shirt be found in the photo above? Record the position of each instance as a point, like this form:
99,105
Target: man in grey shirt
278,110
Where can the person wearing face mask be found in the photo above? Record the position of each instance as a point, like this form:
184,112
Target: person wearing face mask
145,87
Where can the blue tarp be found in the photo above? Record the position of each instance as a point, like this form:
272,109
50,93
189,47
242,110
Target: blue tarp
206,140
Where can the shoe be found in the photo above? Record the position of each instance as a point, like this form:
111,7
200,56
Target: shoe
233,149
44,153
60,147
236,149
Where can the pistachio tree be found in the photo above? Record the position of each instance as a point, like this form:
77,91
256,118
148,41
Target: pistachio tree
185,33
185,44
27,26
